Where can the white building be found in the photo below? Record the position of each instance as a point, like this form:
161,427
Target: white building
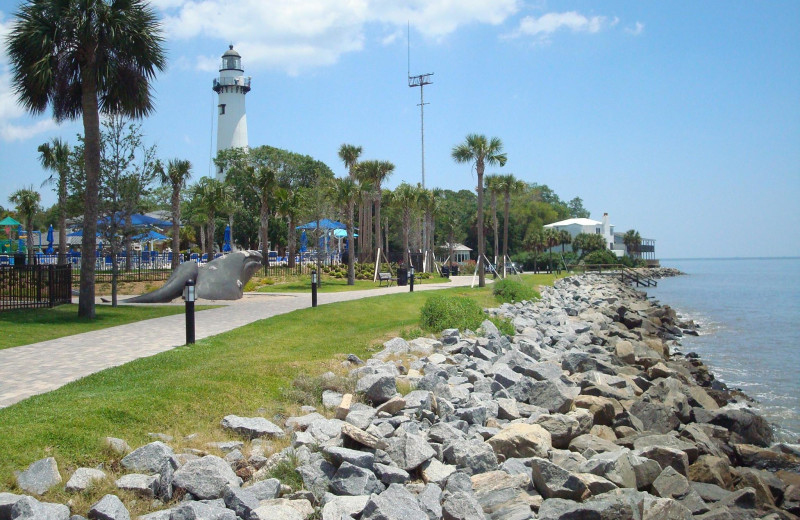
231,87
576,226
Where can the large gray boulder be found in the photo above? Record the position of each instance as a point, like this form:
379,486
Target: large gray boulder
355,481
396,503
378,388
461,506
39,477
110,507
241,501
83,478
143,485
28,508
317,476
409,451
359,458
148,458
471,456
201,511
337,508
521,440
251,427
553,481
206,478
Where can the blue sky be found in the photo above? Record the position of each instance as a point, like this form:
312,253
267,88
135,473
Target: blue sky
679,119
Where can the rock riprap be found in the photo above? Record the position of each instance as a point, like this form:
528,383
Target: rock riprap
588,411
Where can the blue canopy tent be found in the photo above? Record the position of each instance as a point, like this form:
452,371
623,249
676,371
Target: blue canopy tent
324,223
151,236
136,219
303,242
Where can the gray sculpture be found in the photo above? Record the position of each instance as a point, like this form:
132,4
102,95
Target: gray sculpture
223,278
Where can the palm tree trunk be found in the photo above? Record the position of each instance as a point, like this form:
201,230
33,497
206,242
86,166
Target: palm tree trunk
211,229
292,244
505,225
91,157
263,229
202,237
29,239
481,244
495,225
176,225
351,264
62,219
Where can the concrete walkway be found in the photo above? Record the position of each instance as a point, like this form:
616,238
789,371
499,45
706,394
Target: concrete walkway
40,367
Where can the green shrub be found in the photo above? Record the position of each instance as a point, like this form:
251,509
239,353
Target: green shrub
505,326
602,256
509,290
451,312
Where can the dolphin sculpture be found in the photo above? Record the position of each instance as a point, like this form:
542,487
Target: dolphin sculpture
223,278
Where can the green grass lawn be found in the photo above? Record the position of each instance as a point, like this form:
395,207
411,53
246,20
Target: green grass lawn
248,371
330,285
25,326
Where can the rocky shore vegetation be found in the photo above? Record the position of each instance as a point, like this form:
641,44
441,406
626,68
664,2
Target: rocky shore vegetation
588,411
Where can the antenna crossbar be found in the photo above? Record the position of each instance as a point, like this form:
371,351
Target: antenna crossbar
418,81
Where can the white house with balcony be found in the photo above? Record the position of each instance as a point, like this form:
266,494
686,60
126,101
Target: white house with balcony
576,226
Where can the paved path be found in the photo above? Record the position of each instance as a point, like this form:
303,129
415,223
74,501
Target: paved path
40,367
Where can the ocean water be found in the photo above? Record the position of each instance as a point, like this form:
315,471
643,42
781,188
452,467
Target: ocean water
749,313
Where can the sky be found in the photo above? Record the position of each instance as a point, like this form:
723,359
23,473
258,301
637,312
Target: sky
679,119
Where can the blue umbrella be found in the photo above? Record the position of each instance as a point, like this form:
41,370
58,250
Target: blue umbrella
227,245
303,242
150,235
49,249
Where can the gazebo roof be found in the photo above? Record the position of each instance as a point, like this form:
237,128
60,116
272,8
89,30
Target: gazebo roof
8,221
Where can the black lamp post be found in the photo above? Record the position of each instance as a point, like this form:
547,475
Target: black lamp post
190,296
314,282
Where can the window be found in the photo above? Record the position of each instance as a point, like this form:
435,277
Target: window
597,231
221,109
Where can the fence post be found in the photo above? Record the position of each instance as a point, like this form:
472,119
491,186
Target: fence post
51,285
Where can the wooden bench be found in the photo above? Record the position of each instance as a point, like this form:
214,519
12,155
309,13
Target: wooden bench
385,277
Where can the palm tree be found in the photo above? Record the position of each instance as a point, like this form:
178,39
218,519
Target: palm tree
564,237
494,183
27,202
509,185
375,172
349,154
54,156
288,203
345,192
480,151
534,241
551,239
83,57
405,198
262,181
176,175
633,241
214,198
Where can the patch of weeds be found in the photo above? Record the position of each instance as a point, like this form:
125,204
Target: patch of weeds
404,386
411,333
307,389
504,325
286,472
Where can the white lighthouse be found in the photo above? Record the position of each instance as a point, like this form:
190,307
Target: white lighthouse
231,87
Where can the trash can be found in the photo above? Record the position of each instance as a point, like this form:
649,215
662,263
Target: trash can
402,276
445,272
19,259
454,270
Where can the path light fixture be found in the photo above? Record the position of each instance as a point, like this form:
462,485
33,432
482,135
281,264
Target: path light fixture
190,296
314,282
411,279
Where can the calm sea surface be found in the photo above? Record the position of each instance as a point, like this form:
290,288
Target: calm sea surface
749,311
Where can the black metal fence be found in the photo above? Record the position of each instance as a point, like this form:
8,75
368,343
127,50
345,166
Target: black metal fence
34,286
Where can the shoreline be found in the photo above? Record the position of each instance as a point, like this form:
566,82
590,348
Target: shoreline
589,410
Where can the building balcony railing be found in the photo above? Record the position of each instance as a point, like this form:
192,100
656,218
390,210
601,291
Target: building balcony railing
242,82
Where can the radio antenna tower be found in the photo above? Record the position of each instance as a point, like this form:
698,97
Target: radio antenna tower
419,81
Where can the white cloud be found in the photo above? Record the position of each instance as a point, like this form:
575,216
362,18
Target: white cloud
636,30
547,24
298,35
10,110
12,132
